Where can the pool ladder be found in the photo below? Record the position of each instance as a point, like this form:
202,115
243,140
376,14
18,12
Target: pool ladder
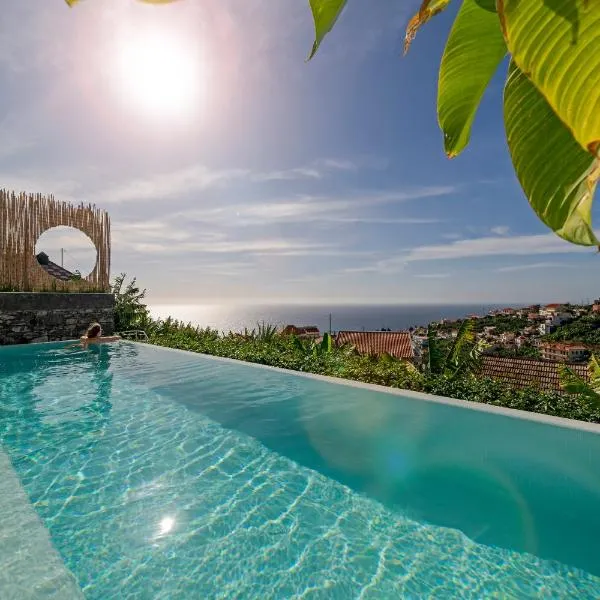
137,335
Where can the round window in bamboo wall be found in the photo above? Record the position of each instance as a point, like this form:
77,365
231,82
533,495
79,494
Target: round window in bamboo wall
66,253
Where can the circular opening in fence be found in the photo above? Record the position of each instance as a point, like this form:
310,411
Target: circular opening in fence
66,253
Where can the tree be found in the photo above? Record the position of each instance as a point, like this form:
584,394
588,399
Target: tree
551,96
462,357
130,310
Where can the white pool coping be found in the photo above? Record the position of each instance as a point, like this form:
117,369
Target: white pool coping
512,413
30,567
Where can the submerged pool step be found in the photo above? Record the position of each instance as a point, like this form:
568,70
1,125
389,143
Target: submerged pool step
30,567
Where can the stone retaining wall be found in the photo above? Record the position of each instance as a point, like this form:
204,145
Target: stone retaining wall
48,317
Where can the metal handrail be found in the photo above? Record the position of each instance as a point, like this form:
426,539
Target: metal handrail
137,335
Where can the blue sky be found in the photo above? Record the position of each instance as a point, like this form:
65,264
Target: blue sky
282,180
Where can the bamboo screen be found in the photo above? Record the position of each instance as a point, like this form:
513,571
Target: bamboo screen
23,218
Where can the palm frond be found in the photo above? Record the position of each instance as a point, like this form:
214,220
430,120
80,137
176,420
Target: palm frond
574,384
466,335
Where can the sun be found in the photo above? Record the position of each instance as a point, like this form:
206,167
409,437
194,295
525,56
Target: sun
160,74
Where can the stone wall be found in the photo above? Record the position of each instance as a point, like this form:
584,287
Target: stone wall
48,317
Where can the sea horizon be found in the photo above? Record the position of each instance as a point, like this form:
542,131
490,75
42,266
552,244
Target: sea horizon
355,317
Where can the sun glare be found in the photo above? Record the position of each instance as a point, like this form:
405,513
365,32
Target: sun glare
159,74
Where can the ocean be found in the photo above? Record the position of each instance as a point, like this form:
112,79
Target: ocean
343,317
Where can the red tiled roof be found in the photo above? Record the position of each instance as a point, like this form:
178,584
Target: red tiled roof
524,372
563,346
394,343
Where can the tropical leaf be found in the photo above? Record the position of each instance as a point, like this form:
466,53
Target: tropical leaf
325,14
428,10
557,44
574,384
434,352
473,52
557,175
465,335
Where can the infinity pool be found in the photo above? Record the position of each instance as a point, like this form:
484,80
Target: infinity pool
152,473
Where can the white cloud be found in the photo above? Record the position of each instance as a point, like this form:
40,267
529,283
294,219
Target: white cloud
307,209
433,275
500,230
168,185
275,247
289,174
534,266
523,245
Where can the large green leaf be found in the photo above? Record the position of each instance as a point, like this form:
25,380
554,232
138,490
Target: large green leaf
557,175
473,52
464,337
428,9
557,43
574,384
325,14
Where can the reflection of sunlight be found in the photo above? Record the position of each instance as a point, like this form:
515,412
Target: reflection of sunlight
165,526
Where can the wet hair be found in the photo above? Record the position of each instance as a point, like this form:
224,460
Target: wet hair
94,330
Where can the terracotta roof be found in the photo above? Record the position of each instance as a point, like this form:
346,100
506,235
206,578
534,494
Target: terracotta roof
552,305
564,346
524,372
394,343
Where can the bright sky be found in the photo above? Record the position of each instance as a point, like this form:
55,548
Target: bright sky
234,171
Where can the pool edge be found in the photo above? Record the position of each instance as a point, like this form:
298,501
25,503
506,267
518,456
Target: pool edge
30,559
512,413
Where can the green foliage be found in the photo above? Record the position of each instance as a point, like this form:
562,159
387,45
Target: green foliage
466,70
552,167
524,351
551,101
325,14
461,358
585,330
130,310
573,384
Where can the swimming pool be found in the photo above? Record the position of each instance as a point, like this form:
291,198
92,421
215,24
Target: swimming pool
164,474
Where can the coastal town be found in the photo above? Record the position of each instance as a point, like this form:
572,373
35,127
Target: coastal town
523,346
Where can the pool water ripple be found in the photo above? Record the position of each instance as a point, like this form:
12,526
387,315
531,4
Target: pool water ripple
146,497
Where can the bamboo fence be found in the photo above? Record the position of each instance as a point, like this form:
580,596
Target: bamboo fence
23,219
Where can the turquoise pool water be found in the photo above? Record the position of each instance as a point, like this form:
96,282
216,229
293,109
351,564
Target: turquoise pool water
161,474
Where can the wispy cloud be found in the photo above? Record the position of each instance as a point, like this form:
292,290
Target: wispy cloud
500,230
523,245
433,275
307,209
534,266
167,185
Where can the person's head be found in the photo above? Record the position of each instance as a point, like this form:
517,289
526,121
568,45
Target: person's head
94,330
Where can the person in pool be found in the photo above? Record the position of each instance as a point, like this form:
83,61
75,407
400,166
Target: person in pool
94,336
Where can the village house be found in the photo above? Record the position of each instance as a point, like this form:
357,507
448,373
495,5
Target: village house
550,310
310,332
508,337
564,351
398,344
